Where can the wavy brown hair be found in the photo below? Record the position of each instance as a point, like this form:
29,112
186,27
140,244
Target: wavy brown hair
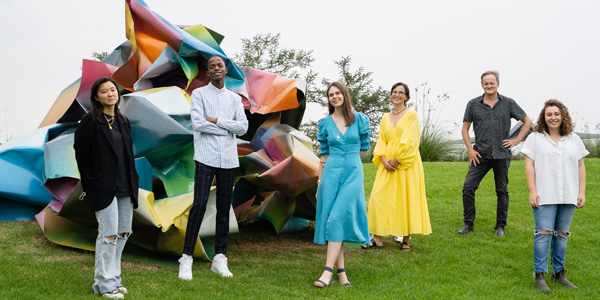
566,127
346,106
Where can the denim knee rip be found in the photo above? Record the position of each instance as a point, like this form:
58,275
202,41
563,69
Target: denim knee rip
108,241
124,235
537,232
566,234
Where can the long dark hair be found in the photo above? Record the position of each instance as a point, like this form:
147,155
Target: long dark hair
346,105
566,126
97,107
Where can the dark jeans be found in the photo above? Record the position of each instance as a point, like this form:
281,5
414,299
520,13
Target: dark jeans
474,177
202,182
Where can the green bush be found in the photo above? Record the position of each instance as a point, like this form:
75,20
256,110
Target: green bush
593,146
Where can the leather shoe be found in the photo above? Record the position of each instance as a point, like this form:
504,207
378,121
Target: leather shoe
499,231
466,229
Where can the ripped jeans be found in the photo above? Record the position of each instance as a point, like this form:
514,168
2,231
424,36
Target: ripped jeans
555,218
114,227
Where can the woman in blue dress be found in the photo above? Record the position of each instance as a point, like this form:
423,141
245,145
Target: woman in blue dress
341,215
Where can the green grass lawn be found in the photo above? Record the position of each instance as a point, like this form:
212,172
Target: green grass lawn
443,265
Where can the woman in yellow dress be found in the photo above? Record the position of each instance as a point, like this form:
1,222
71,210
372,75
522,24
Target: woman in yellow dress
398,205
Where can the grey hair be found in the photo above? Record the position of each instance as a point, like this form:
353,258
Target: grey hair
492,72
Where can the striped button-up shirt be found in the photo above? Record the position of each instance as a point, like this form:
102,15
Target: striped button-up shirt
215,144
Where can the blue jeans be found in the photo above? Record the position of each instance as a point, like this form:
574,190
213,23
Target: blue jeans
554,218
113,221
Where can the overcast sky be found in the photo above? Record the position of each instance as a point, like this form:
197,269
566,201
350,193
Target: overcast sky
543,49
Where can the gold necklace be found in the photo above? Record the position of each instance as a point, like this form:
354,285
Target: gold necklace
397,113
110,122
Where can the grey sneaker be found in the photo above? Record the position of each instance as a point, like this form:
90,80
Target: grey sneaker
219,265
113,295
465,229
499,231
185,267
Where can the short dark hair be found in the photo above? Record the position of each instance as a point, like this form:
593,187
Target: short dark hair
405,89
97,107
214,55
346,105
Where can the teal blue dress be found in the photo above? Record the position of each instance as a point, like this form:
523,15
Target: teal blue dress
341,209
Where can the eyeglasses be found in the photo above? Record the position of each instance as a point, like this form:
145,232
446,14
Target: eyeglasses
398,93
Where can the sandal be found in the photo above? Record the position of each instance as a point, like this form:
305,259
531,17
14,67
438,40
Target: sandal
347,284
405,249
373,245
321,284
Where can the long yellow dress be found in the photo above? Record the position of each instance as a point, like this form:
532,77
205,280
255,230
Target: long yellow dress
398,205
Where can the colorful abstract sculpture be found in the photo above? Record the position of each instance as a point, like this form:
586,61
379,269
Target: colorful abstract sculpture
158,67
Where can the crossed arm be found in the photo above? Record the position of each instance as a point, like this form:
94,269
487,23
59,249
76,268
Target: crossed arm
217,126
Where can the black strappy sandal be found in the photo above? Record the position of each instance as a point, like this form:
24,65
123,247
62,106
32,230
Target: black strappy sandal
373,245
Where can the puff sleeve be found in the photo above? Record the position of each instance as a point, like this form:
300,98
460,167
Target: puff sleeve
322,137
407,148
364,131
381,144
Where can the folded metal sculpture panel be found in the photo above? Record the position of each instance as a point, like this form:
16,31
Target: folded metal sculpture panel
158,67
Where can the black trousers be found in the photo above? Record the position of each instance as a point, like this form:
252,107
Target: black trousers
202,183
472,180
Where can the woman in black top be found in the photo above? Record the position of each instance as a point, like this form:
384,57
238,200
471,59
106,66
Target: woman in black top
104,153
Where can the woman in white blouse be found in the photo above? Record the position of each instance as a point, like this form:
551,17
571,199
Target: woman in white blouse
555,174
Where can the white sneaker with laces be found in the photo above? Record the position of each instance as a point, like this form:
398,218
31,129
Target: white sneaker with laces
219,265
121,289
185,267
113,295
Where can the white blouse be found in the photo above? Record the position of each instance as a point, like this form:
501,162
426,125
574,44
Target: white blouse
556,166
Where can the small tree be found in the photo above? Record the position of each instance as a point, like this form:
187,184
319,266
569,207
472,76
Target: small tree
366,99
435,142
100,56
263,52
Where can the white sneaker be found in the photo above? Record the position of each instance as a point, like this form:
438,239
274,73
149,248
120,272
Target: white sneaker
219,265
185,267
121,289
113,295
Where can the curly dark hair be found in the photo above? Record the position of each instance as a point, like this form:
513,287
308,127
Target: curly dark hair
566,127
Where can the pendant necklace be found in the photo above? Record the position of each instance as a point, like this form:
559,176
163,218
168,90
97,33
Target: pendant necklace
397,113
109,121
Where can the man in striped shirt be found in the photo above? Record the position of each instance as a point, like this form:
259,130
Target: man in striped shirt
217,117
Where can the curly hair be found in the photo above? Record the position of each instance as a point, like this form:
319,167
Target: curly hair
566,127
